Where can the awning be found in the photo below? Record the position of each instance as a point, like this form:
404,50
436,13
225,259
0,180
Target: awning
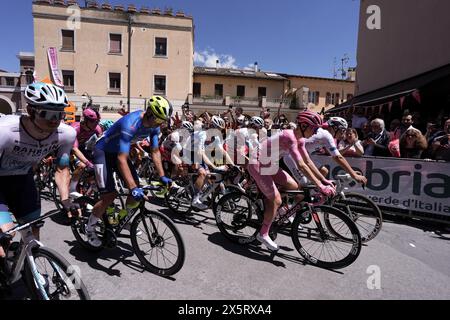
394,91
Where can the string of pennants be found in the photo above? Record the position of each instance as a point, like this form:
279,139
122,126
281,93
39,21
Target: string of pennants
377,108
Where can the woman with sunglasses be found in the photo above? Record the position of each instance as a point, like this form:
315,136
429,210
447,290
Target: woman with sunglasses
111,155
81,156
24,142
412,144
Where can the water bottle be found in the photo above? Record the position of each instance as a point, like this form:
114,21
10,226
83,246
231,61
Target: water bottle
112,214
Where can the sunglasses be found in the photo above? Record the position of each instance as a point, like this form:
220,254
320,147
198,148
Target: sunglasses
51,115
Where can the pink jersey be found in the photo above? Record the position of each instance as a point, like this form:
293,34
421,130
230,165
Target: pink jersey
287,144
83,135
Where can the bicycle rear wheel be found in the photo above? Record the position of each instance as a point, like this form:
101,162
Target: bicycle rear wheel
319,245
157,243
60,280
238,217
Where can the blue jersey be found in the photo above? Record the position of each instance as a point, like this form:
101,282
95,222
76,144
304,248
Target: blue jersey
123,133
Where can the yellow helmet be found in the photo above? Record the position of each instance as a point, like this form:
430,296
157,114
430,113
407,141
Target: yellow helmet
160,107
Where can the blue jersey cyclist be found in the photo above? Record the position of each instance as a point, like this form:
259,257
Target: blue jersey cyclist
112,155
25,140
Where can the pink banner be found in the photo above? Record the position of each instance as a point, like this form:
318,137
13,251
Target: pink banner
53,60
416,95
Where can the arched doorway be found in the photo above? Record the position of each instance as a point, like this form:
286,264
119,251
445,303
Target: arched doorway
6,105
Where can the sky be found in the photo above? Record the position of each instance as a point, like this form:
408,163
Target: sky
300,37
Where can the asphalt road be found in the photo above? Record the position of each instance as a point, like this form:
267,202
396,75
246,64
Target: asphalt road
403,262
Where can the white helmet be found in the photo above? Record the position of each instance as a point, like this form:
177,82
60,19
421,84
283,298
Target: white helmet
218,122
338,122
187,125
42,94
292,125
257,121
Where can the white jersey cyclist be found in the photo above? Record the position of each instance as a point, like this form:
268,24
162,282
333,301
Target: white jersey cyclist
322,139
19,152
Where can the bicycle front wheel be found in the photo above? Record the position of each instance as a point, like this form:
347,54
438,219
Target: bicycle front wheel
59,279
363,211
157,243
318,244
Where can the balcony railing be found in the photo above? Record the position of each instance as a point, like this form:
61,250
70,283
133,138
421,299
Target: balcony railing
213,100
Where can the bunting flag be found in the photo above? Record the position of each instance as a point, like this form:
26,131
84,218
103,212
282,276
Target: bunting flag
390,106
402,101
416,95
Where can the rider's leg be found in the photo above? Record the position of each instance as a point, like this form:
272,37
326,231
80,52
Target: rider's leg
6,223
324,171
200,180
76,176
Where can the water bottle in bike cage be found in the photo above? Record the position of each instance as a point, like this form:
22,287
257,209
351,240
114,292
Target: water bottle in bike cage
113,214
27,235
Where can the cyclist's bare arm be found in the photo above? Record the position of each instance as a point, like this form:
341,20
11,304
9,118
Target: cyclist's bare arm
346,166
311,165
122,159
156,156
80,155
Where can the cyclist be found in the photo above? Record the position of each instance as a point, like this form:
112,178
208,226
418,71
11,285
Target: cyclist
24,142
112,155
85,130
266,173
325,137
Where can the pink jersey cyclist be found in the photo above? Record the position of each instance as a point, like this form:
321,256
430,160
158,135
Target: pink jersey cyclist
260,170
83,133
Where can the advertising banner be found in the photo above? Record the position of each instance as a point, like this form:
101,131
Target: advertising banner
401,183
53,60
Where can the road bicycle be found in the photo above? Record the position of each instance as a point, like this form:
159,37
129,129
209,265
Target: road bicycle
218,183
155,239
363,211
47,275
324,236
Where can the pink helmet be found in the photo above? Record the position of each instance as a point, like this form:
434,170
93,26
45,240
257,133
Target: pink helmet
91,114
310,118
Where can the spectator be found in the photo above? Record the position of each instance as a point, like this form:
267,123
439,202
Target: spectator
351,146
441,145
358,121
412,144
418,123
365,129
240,118
407,122
377,141
394,129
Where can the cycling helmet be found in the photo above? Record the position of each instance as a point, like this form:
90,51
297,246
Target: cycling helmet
338,122
46,95
292,125
218,122
90,114
257,121
160,107
106,124
187,125
310,118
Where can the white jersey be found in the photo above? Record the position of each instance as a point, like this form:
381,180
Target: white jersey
322,138
19,151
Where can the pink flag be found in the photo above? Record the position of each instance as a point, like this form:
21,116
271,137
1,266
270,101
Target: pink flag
416,95
53,59
390,106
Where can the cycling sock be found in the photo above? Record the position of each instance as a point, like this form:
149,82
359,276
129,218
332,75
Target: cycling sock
265,229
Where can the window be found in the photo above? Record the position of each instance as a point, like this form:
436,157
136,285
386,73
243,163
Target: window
9,82
161,47
313,97
68,40
115,43
197,89
262,92
240,92
69,80
328,99
114,82
29,78
160,85
218,89
335,99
